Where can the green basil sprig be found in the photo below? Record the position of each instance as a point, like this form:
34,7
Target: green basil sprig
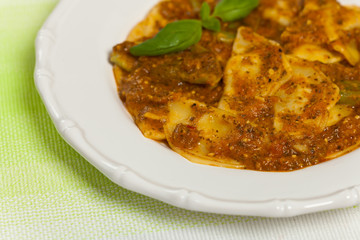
232,10
209,22
174,37
178,36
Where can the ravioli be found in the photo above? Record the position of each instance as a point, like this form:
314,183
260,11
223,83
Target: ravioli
256,70
142,84
276,91
201,133
324,31
271,17
305,100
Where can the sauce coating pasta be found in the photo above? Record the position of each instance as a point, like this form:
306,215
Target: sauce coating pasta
277,91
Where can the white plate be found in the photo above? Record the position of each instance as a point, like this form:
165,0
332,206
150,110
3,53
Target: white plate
76,83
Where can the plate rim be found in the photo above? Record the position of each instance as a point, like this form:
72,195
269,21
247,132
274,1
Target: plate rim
71,132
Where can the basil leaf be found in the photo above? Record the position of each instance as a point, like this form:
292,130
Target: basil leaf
174,37
209,22
232,10
212,24
205,11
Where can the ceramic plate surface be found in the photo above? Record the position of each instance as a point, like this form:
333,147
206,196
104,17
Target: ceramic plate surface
75,81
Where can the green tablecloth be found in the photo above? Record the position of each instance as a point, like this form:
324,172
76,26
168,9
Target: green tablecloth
48,191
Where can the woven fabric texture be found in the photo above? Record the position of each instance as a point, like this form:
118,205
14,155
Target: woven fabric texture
48,191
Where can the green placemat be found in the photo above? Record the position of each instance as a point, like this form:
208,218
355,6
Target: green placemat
48,191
